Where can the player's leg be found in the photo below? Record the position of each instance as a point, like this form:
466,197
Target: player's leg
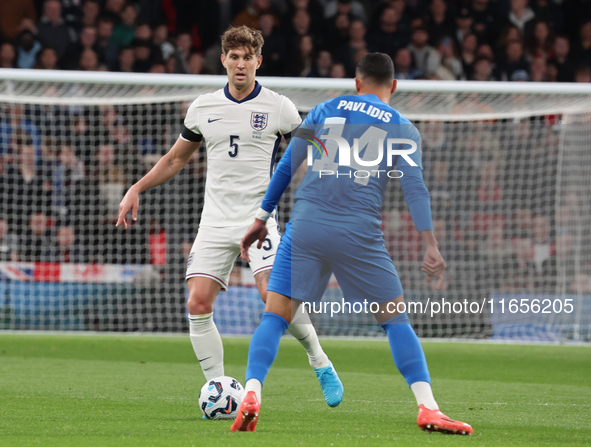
203,332
407,350
365,270
208,272
262,352
264,344
301,327
303,274
411,362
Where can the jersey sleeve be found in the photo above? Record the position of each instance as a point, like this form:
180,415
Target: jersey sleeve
416,194
190,130
289,117
412,133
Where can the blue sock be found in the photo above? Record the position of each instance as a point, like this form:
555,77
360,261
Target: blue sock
406,349
264,346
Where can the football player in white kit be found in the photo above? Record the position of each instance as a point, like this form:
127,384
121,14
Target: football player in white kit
242,125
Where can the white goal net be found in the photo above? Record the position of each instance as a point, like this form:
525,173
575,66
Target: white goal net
508,166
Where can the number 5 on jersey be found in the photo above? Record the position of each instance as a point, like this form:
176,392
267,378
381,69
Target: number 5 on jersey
234,146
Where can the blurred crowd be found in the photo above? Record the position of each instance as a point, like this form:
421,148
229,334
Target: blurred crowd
503,212
63,170
485,40
500,218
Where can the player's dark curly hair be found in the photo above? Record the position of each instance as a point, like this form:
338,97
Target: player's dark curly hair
242,36
376,67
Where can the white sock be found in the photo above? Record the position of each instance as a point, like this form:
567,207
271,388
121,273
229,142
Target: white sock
207,345
424,395
253,385
306,335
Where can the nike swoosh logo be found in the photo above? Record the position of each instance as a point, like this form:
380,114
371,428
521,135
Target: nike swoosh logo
209,120
202,360
267,257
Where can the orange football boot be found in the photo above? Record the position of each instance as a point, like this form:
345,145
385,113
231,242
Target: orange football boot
248,414
435,420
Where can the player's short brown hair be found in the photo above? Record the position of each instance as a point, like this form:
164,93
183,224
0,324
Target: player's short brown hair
242,36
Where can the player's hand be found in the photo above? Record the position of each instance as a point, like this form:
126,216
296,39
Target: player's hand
131,202
434,265
257,231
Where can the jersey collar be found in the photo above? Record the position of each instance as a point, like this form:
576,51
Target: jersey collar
253,94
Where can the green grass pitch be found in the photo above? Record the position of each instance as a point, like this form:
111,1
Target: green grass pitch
142,391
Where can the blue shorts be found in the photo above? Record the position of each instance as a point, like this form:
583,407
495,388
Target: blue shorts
307,257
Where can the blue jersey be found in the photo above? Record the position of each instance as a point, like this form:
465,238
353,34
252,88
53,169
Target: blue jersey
350,194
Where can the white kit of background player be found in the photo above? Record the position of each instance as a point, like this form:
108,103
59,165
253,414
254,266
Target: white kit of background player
241,125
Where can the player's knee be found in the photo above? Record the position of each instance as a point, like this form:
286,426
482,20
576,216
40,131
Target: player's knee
202,294
390,309
199,304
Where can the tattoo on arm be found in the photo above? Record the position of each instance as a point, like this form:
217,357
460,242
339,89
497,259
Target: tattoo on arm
170,163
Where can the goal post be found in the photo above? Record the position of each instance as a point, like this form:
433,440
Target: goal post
415,99
508,166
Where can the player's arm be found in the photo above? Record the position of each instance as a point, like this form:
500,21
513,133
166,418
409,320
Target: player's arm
286,169
416,196
277,186
433,264
166,168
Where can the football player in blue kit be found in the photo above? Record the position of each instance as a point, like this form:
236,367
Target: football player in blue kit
335,228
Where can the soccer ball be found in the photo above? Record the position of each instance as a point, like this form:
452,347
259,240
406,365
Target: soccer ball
220,398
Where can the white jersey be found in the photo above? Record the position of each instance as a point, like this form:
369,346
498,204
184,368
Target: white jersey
241,139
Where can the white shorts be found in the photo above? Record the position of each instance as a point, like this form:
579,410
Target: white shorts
215,250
